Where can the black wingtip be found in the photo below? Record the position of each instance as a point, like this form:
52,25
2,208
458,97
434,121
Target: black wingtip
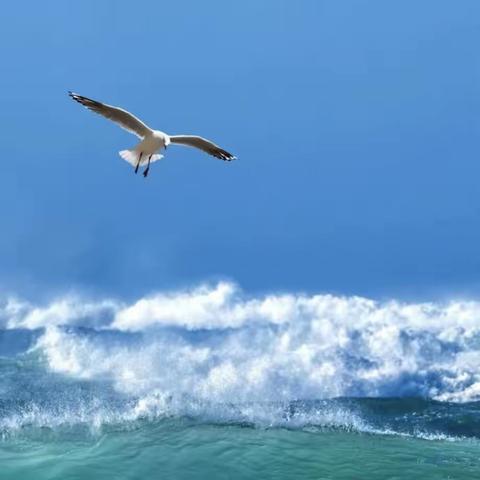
226,156
85,101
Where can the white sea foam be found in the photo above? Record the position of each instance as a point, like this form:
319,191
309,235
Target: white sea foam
68,310
216,344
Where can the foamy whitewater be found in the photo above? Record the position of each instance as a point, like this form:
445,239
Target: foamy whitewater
215,356
214,343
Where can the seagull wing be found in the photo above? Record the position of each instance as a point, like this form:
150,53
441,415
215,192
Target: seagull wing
120,116
203,144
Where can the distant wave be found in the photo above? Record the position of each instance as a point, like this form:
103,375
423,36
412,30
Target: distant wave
215,344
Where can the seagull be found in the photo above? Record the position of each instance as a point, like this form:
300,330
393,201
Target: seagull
152,140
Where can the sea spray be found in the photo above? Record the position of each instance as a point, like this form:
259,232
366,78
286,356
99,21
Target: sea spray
216,354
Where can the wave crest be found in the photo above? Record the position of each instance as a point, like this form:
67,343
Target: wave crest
217,344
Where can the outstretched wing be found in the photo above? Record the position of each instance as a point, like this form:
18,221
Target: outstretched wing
121,117
203,144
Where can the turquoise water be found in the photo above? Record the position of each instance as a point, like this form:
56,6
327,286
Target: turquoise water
211,384
178,449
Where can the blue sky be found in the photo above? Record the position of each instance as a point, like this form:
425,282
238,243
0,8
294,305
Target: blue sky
356,124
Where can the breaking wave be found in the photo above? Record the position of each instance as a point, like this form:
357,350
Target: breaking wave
217,354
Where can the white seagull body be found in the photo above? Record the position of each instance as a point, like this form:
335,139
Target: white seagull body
153,141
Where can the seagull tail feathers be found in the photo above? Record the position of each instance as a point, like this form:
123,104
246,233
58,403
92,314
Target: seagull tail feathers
131,156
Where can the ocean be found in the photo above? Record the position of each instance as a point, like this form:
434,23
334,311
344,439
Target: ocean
211,382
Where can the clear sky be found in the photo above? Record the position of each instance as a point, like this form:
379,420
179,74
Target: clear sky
356,124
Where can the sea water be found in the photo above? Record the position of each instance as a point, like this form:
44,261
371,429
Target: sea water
213,383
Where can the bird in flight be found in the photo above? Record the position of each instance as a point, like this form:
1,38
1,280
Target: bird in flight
153,141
